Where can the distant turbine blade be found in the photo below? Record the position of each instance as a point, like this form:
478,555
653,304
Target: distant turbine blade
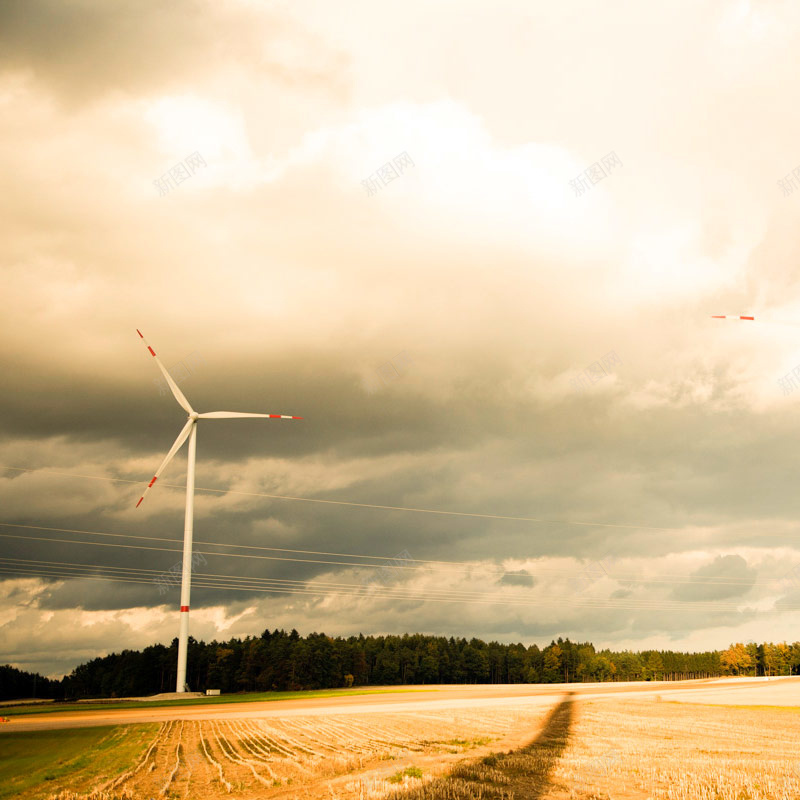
172,385
182,436
725,316
237,414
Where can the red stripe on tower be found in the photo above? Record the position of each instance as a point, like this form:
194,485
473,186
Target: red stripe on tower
184,608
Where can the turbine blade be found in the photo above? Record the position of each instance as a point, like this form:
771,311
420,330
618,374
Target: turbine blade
184,403
182,436
238,414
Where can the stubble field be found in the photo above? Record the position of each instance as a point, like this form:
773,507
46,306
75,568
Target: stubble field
573,744
358,756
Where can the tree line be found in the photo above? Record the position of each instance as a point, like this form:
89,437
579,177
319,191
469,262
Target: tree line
281,661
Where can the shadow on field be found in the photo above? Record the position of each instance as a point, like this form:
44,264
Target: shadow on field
523,773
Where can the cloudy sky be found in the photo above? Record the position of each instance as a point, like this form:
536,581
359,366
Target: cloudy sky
386,218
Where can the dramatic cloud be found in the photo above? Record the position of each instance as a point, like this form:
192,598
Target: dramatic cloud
725,576
470,337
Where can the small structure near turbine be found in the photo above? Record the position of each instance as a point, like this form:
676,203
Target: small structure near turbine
189,432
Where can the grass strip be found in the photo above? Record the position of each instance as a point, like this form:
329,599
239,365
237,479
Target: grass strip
40,763
252,697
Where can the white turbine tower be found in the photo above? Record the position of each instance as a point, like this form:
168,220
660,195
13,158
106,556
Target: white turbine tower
189,432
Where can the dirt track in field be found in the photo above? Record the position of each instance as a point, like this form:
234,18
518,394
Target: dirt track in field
777,691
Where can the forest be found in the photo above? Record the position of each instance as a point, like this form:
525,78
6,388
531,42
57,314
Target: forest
277,661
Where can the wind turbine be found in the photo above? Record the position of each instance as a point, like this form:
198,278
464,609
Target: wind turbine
189,432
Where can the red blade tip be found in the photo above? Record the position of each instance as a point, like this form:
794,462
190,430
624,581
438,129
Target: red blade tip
140,500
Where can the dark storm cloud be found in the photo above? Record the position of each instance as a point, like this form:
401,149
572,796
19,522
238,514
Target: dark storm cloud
725,576
121,401
479,262
341,419
94,594
517,578
373,531
82,49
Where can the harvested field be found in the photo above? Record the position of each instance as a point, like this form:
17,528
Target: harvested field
673,751
343,755
636,749
575,748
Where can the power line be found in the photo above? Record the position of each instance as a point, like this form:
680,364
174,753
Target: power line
71,570
361,505
221,578
393,595
245,546
457,565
